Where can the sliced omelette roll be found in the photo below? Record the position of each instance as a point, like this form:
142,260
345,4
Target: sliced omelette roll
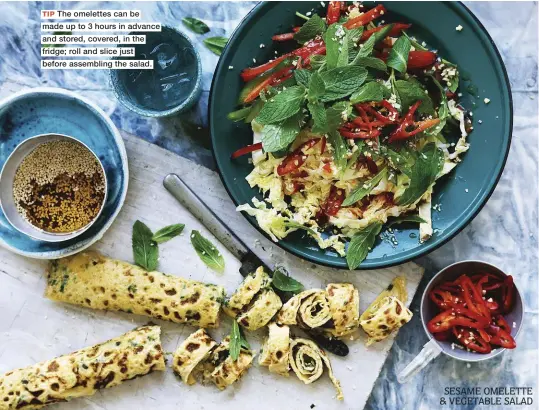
397,288
254,303
343,299
308,361
223,370
191,354
276,349
83,372
266,305
383,318
309,309
95,281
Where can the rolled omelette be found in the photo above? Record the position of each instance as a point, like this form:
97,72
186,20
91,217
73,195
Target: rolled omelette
92,280
308,360
83,372
276,349
334,310
191,354
227,371
386,317
254,303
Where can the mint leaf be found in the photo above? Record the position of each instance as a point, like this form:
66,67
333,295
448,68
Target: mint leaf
216,44
318,113
354,37
207,252
195,25
405,218
285,283
443,111
370,62
335,39
312,27
302,77
409,93
398,56
167,233
145,250
361,243
372,91
317,87
363,189
342,81
339,149
427,166
282,106
276,137
318,61
368,46
337,113
237,341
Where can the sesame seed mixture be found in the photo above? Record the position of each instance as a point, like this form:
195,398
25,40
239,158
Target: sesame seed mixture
59,187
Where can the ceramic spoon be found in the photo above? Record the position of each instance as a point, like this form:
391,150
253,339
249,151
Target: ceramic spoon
249,261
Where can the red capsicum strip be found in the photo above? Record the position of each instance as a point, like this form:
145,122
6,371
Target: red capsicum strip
508,294
303,52
500,337
394,32
273,79
334,12
401,131
246,150
283,37
296,158
472,340
473,297
457,316
364,135
334,201
365,18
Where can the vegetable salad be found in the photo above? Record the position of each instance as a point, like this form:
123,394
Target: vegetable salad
350,130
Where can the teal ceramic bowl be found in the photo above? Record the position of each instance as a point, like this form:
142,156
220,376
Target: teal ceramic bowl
461,194
172,87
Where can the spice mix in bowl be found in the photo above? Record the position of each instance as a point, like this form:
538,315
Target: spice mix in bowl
57,186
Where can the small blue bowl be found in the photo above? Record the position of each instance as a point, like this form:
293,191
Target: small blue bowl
154,93
56,111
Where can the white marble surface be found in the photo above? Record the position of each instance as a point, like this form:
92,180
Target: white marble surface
504,233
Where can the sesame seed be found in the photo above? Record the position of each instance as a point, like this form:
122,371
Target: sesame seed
459,28
486,100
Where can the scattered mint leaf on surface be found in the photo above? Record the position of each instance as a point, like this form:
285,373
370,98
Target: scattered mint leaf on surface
207,252
145,250
282,106
427,166
361,244
237,341
363,189
216,44
286,283
167,233
398,56
195,25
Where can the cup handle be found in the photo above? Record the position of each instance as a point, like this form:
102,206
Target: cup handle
430,351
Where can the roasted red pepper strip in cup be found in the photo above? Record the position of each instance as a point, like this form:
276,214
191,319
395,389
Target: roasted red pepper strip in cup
457,316
334,12
444,299
246,150
500,321
471,339
508,294
500,337
473,297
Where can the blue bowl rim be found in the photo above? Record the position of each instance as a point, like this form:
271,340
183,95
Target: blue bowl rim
419,252
424,299
123,154
189,101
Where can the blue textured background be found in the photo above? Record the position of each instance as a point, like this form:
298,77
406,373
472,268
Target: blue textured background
504,233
